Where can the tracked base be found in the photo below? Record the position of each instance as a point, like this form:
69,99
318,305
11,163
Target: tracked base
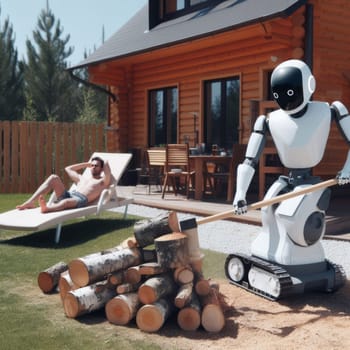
274,282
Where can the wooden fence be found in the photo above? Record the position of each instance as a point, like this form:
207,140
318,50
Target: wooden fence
30,151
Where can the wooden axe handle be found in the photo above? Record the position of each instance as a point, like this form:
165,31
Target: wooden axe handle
267,202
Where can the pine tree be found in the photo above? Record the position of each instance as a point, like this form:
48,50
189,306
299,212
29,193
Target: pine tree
11,76
50,93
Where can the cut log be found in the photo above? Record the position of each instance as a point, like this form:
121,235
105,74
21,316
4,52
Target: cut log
116,278
184,295
172,250
155,288
48,279
202,285
151,317
189,317
189,228
213,319
122,309
65,284
87,299
145,231
183,275
149,255
85,271
151,268
132,274
127,288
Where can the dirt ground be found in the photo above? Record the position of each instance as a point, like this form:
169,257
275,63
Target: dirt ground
308,321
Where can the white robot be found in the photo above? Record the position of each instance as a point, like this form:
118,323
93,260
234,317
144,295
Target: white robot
287,255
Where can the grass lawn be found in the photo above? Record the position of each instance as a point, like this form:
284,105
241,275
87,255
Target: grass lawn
32,320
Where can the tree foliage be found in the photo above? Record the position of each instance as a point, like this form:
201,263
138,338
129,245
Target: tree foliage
50,92
11,76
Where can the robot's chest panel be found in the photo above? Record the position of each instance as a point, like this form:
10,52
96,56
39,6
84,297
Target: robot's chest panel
301,142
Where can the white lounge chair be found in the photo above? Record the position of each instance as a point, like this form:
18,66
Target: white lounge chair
34,220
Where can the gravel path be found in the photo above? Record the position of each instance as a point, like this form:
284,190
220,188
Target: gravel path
228,236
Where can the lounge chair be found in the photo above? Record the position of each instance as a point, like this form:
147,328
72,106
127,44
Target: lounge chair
34,220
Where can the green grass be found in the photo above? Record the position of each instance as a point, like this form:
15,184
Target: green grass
30,319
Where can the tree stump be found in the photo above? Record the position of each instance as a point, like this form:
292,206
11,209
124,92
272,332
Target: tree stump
123,308
48,279
87,299
155,288
151,317
189,317
172,250
84,271
145,231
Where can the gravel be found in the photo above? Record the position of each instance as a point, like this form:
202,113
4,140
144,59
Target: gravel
229,237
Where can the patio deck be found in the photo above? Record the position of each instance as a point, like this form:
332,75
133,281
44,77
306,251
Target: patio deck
338,216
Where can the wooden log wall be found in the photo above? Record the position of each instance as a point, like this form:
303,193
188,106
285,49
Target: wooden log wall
30,151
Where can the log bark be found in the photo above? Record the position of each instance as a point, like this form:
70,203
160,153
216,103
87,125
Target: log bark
189,317
116,278
151,268
145,231
122,309
183,275
172,250
155,288
213,319
151,317
65,284
149,255
85,271
48,279
184,295
87,299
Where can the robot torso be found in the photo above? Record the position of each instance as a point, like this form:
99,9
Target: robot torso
301,141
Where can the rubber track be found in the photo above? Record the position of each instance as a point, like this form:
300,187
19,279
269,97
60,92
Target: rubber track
249,261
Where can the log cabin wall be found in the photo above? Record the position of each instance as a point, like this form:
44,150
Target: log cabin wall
246,52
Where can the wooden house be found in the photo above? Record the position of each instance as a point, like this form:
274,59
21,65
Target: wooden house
198,71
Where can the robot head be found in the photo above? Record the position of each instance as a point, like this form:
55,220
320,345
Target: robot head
292,85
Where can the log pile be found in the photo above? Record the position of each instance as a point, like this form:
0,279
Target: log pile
148,278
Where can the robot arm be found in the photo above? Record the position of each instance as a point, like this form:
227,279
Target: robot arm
246,170
342,117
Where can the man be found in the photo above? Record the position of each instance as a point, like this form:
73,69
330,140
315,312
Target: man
88,188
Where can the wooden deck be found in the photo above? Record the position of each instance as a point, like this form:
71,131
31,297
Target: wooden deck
338,217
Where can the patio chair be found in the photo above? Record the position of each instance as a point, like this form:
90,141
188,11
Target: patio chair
34,220
177,167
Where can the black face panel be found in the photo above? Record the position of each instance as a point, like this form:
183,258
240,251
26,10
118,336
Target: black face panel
287,88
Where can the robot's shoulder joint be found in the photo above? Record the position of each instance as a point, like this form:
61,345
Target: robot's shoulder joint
339,111
260,124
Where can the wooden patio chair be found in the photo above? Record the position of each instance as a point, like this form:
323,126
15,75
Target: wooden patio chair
177,167
217,175
154,168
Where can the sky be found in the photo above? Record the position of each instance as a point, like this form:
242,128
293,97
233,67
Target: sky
83,20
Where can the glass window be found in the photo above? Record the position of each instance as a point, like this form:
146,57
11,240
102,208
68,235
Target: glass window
221,112
163,116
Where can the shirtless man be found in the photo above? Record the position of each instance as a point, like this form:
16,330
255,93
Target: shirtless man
88,188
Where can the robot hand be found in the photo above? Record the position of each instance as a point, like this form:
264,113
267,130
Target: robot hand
343,177
239,206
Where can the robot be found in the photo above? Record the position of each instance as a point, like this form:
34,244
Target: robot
287,256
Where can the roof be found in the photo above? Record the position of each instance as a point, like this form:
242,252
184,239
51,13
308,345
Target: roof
135,38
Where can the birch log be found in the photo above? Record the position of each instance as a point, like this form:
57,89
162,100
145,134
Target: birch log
145,231
48,279
183,275
155,288
189,317
183,295
87,299
151,317
65,284
85,271
122,309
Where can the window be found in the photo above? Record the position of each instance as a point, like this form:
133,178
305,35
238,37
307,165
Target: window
163,116
164,10
221,112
